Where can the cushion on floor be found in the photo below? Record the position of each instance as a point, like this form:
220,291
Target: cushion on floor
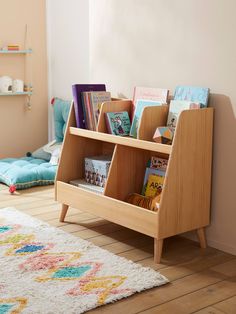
26,172
61,110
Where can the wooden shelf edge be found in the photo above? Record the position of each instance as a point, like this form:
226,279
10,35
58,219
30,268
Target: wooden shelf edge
122,213
126,141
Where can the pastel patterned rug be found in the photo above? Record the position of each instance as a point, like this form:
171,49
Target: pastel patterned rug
45,270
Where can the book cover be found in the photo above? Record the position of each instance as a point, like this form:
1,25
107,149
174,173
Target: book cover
151,171
140,104
118,123
175,108
158,163
96,169
194,94
155,166
154,185
148,93
96,100
77,89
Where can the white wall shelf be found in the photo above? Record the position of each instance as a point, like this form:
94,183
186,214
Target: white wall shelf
16,94
16,51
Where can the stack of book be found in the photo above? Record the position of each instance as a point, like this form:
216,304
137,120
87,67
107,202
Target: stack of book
91,102
13,47
77,90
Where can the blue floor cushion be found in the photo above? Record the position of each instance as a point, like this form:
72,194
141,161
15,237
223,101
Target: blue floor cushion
26,172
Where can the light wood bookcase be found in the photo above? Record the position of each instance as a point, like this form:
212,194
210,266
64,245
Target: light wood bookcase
185,200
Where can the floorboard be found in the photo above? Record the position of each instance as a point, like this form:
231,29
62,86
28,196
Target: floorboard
201,281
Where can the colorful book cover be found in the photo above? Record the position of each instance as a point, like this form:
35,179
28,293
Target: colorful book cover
77,89
175,108
148,93
156,166
194,94
158,163
118,123
96,100
140,104
96,169
154,185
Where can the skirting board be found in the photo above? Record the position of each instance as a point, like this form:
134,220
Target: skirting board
215,244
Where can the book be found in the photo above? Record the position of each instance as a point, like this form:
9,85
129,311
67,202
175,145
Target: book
96,169
148,93
175,108
118,123
140,104
155,166
77,89
194,94
81,183
91,102
154,185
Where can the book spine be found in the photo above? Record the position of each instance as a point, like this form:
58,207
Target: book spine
88,110
79,117
84,110
109,129
94,108
92,111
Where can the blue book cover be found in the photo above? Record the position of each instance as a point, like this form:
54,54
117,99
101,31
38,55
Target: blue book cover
140,104
191,93
118,123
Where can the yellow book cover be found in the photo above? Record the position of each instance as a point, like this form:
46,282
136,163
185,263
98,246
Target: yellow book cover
154,185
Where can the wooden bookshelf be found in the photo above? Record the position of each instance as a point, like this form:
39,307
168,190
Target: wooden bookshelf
185,200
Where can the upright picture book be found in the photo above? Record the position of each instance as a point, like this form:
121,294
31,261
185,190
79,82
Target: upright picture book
140,104
192,93
96,169
148,93
175,108
118,123
91,102
154,176
77,89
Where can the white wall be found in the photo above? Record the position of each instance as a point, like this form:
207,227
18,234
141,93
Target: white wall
158,43
68,47
163,43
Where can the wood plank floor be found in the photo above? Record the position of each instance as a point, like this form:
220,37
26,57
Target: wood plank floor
201,281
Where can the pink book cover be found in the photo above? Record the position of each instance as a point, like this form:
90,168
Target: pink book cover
150,93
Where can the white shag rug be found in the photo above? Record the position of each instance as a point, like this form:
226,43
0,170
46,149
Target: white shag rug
44,270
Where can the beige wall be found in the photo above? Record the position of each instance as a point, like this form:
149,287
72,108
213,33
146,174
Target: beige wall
22,130
163,43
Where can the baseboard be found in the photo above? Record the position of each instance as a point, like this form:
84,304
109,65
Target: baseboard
215,244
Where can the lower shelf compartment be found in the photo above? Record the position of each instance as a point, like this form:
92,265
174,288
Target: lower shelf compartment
116,211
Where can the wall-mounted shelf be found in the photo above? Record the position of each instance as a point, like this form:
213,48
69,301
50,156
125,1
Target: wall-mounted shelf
16,94
16,51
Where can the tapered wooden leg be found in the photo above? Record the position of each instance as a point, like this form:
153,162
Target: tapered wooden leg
158,244
64,210
202,237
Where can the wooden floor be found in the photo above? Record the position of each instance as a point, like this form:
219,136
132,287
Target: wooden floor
201,281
